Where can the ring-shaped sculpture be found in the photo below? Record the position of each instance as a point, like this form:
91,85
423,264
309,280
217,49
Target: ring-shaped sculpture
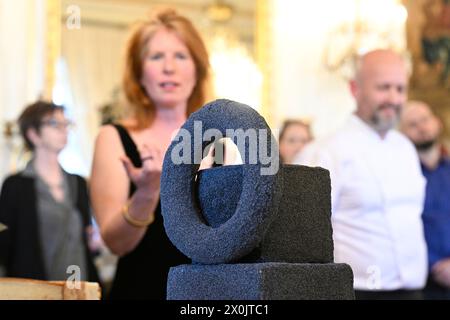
259,199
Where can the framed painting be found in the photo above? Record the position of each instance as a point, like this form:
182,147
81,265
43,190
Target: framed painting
428,38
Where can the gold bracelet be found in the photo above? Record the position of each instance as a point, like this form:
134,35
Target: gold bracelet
135,222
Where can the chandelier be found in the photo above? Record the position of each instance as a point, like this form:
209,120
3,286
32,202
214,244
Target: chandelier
364,25
236,74
219,11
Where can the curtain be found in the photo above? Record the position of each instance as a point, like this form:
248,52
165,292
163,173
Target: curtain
93,55
22,62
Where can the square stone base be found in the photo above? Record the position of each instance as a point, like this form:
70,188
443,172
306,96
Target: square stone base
261,281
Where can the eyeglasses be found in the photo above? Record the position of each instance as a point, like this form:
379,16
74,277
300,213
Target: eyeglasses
60,125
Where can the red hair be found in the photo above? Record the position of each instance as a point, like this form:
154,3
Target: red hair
142,105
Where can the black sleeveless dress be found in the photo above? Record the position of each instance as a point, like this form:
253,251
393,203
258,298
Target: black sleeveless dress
142,273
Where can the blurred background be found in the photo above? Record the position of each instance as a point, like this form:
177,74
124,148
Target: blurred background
285,58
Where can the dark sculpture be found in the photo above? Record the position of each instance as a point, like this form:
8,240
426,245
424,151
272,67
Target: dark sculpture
250,235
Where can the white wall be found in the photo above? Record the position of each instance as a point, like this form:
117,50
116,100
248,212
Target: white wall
302,86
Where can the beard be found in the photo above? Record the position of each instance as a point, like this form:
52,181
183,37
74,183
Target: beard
383,124
425,145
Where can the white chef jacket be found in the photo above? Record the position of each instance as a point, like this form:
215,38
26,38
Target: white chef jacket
377,199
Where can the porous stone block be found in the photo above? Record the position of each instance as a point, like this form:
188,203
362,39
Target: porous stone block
261,281
300,232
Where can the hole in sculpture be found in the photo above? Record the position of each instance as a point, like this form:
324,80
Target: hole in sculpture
218,191
223,152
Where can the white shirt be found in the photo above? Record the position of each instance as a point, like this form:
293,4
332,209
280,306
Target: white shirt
377,199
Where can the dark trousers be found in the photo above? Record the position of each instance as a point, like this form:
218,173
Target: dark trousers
434,291
389,295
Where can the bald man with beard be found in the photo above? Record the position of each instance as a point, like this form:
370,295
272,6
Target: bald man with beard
423,128
377,185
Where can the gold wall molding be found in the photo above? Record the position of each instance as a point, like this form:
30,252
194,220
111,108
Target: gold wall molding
53,44
264,57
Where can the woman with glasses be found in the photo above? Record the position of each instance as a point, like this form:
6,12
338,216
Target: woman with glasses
45,209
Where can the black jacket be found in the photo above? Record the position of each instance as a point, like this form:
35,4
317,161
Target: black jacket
20,245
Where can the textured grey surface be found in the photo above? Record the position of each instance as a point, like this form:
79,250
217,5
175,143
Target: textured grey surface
259,199
279,222
261,281
301,231
218,194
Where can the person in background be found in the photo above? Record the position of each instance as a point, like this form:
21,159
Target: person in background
294,135
45,209
423,128
166,78
377,185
